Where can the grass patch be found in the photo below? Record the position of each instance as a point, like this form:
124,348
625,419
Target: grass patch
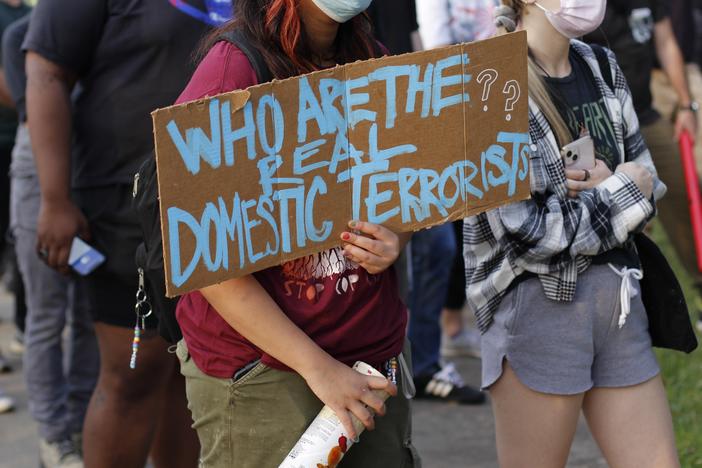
683,373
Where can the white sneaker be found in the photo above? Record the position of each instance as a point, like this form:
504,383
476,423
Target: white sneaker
62,454
466,343
7,404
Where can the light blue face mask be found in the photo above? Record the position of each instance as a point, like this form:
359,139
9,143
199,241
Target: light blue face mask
342,10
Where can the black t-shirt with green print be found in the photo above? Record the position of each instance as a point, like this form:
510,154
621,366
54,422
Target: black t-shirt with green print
582,107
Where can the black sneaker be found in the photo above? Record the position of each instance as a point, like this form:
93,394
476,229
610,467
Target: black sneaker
447,385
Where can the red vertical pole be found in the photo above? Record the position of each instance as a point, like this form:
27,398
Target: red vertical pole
693,192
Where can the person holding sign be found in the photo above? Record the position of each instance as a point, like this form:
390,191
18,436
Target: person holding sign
263,353
554,280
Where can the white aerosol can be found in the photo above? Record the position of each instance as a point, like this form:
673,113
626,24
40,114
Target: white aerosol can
325,441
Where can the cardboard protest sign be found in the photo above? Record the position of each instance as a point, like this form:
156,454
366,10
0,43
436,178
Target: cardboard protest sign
254,178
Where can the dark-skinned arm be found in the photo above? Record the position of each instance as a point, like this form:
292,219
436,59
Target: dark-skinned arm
49,118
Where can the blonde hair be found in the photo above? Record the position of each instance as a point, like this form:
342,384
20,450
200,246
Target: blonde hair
506,18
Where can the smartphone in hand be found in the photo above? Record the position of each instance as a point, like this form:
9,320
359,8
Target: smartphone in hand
579,154
83,258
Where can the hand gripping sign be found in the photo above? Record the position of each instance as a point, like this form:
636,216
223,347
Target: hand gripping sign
258,177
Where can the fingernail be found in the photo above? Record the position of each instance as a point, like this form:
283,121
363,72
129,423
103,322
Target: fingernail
353,224
346,236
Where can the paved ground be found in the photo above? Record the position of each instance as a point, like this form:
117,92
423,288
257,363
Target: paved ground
447,436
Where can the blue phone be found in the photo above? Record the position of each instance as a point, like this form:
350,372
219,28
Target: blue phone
83,258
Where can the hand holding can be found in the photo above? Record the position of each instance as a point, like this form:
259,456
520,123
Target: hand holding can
325,441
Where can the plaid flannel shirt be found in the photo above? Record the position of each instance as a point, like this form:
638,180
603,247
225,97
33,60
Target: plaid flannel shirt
552,235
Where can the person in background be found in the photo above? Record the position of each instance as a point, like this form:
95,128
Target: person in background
58,396
394,21
422,278
121,59
431,255
553,280
683,17
443,23
10,11
639,32
446,22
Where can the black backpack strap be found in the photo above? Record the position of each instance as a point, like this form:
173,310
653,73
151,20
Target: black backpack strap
605,67
239,39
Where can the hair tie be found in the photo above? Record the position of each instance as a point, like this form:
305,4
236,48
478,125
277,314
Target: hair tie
506,17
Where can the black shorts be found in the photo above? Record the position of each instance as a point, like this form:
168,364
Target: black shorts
112,288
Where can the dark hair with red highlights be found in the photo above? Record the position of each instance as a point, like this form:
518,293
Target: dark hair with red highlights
274,27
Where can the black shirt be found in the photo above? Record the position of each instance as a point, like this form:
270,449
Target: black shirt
628,30
8,117
13,64
582,106
393,23
131,57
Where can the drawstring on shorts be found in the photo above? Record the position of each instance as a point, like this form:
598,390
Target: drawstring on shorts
627,291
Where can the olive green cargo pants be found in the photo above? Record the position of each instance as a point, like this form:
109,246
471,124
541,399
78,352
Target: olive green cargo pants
254,421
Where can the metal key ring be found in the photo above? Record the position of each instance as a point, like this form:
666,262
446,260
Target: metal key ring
138,309
141,296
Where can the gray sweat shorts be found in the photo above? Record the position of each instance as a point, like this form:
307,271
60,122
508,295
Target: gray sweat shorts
568,348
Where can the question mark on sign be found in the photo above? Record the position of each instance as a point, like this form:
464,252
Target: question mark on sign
487,78
513,92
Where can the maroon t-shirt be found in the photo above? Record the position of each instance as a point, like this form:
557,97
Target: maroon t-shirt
348,312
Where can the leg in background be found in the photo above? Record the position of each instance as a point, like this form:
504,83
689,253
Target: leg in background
460,338
125,408
452,315
674,211
633,425
16,345
47,296
5,159
532,429
84,357
50,387
432,252
20,315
